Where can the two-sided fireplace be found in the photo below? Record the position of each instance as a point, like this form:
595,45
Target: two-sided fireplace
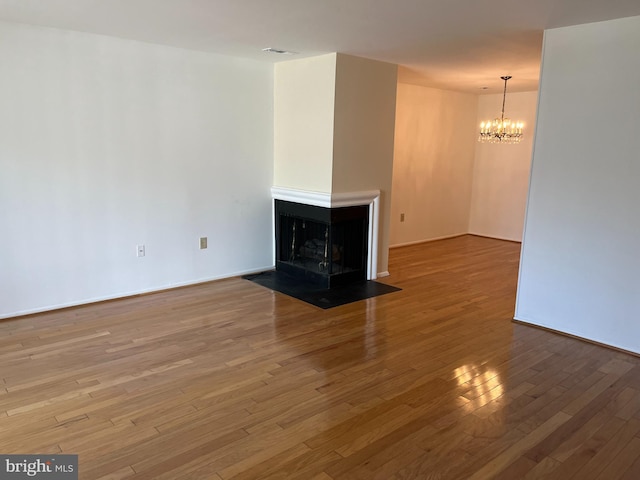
325,246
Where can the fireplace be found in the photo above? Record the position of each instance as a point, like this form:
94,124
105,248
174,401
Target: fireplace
324,246
301,204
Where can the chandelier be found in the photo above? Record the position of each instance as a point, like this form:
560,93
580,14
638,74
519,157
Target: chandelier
501,130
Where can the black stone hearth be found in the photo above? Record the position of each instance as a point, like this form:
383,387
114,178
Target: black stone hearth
317,295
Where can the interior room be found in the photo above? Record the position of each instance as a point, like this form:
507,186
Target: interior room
144,147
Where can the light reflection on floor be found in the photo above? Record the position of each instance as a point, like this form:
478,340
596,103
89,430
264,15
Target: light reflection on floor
482,385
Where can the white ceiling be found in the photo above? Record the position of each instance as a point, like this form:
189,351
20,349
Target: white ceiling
459,45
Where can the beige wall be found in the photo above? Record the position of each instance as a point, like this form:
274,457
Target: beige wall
501,172
435,141
364,133
304,94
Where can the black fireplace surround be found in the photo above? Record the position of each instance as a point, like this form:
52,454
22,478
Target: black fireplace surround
323,246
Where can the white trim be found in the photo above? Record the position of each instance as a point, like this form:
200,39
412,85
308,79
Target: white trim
383,274
134,293
354,198
495,237
455,235
336,200
417,242
317,199
574,334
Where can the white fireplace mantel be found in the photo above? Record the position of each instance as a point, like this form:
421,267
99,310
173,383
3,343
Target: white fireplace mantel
335,200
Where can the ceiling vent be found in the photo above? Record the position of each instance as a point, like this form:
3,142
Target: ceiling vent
278,51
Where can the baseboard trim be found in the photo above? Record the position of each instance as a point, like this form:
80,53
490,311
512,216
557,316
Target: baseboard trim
495,238
417,242
120,296
445,237
577,337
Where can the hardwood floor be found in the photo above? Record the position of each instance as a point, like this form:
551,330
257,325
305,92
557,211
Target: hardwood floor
231,380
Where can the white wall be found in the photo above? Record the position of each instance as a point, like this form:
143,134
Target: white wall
106,144
501,172
364,134
304,97
580,260
435,141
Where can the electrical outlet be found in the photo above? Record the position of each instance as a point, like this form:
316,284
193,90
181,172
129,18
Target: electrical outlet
203,243
140,250
402,217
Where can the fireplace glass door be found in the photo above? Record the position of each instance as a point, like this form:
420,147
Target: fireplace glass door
327,246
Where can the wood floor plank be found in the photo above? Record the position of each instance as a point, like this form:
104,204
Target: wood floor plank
543,469
229,380
621,463
515,451
599,462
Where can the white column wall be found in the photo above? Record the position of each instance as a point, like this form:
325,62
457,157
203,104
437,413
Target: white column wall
364,135
304,98
580,261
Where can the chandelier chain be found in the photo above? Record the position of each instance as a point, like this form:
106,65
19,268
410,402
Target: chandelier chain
504,97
